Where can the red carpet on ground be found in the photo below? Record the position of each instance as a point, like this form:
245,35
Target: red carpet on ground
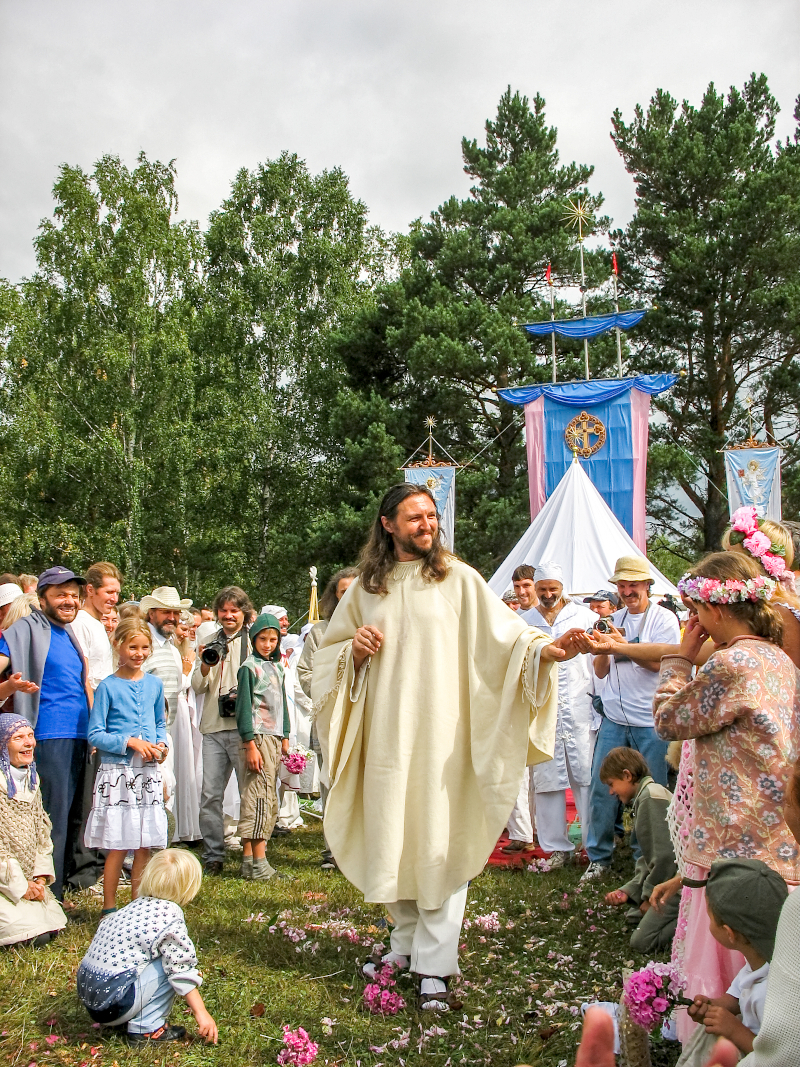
500,859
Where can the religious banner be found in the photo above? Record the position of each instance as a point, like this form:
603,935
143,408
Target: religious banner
754,480
441,480
605,423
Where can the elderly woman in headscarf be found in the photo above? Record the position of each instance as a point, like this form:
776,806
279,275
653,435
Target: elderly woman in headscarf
28,910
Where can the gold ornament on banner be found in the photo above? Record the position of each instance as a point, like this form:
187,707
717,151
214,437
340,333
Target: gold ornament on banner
579,432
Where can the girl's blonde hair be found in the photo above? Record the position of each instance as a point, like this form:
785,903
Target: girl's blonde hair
129,610
760,615
779,535
172,874
19,608
129,627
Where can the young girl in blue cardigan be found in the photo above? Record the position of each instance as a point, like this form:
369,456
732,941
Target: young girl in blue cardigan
128,728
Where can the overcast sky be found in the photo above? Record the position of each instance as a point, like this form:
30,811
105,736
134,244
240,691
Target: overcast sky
383,89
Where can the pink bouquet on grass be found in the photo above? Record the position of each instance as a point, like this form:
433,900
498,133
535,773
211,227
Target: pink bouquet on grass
379,996
295,762
652,993
299,1050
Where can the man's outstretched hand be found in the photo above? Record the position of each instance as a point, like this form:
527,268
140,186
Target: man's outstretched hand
597,1044
560,649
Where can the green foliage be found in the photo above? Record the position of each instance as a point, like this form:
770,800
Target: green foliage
96,388
443,337
714,247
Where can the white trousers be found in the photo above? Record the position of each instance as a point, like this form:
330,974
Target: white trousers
551,817
429,937
520,821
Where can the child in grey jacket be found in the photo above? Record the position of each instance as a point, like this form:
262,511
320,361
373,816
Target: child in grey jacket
627,776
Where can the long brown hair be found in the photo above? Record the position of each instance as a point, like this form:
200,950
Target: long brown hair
377,556
329,599
760,615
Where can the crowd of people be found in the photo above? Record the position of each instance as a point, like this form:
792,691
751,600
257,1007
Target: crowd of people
428,715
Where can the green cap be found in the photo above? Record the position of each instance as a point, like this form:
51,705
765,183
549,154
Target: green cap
747,895
267,622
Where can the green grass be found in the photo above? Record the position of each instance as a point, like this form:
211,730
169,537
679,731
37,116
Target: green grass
521,985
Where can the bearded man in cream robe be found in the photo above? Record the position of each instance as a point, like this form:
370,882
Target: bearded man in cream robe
430,697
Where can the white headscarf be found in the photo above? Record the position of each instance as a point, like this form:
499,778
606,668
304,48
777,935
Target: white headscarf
548,572
276,610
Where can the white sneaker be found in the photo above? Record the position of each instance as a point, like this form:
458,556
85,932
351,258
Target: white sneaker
594,870
557,860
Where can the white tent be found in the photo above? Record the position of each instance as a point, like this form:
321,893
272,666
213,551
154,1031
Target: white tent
579,531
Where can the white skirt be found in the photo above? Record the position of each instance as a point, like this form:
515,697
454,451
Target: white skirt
127,807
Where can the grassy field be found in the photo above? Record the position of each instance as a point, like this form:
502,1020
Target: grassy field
522,985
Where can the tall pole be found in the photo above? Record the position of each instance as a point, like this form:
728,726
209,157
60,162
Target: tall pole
616,305
583,299
552,319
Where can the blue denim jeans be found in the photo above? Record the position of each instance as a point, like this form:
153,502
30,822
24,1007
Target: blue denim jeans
154,997
603,807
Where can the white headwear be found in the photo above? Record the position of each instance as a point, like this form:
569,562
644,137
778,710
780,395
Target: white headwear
9,591
167,598
276,610
548,572
205,630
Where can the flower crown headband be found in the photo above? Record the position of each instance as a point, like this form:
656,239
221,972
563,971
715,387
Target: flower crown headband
745,531
730,591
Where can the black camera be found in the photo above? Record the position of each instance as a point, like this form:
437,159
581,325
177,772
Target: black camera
227,705
603,626
215,650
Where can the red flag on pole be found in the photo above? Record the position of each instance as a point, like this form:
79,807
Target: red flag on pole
614,262
547,275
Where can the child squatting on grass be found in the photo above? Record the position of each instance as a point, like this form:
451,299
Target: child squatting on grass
127,726
262,718
142,956
744,899
627,776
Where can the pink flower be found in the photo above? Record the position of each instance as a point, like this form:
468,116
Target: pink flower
300,1049
757,544
773,565
744,520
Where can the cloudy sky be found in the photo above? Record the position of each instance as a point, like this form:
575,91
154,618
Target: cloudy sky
383,89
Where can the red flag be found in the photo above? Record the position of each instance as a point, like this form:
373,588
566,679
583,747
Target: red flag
547,275
614,262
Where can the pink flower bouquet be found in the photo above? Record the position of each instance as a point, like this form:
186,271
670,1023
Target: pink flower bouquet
379,996
652,993
295,762
299,1050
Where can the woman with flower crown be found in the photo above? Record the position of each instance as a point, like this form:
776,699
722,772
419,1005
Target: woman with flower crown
742,709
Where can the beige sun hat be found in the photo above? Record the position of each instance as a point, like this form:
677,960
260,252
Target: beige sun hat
631,569
166,598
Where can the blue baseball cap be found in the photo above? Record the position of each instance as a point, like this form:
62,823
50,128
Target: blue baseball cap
603,594
58,576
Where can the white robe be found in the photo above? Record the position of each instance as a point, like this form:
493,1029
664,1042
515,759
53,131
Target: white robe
424,751
573,741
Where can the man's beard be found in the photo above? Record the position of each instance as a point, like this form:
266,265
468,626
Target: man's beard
410,545
53,616
549,602
166,634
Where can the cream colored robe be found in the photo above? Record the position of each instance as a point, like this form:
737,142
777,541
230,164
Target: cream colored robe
425,750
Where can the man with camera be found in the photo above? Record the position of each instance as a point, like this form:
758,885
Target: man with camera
626,689
214,676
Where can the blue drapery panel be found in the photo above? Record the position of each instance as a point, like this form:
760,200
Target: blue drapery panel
611,468
591,326
579,394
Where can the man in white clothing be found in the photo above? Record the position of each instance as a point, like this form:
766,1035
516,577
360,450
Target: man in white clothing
571,764
431,696
101,593
626,689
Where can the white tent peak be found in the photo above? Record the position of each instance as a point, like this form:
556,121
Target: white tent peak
578,530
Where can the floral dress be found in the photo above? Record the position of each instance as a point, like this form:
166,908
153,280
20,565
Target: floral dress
743,710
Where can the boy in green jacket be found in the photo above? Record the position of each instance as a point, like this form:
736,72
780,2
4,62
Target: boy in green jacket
627,776
262,718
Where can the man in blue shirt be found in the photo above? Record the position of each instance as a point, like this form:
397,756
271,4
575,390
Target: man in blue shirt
43,647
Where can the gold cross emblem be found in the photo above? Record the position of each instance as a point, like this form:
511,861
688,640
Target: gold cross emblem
579,432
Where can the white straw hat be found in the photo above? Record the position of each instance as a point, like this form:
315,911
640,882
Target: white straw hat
167,598
9,591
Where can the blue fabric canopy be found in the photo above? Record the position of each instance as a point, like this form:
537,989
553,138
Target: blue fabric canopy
592,326
599,391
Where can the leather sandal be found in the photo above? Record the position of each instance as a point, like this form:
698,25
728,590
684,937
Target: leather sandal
440,1003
